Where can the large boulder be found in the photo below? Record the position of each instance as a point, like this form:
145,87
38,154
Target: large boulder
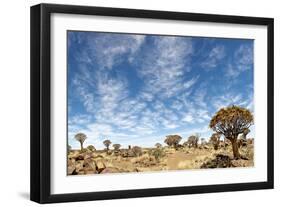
100,166
90,166
80,157
88,156
70,167
220,161
79,166
73,154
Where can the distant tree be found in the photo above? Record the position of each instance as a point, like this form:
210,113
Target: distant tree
173,140
137,150
215,140
192,140
116,147
203,141
81,137
185,144
158,153
107,143
158,145
91,148
232,121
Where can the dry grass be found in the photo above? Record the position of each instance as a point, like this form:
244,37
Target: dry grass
165,158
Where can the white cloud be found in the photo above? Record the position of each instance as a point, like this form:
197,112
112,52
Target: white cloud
163,106
163,66
215,56
243,56
176,104
242,61
145,96
231,71
199,97
188,118
80,119
229,99
188,84
111,49
84,95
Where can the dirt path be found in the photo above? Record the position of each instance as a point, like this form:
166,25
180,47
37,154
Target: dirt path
174,159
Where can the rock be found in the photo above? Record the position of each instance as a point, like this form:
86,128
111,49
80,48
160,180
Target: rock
70,161
88,172
79,166
80,173
90,165
117,153
100,166
240,163
70,169
73,155
221,161
110,170
88,156
98,157
80,157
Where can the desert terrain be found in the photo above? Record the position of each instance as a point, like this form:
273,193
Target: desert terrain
136,159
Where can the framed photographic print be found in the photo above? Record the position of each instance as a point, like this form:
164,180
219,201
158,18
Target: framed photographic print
133,103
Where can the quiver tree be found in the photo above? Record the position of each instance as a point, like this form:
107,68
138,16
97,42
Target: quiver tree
158,145
231,122
91,148
107,143
192,141
116,147
203,141
215,140
173,140
137,151
81,137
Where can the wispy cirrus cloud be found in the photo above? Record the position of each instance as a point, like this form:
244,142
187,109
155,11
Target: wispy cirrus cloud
214,58
242,61
111,49
164,65
135,89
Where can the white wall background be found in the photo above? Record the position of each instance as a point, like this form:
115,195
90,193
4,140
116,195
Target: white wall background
14,104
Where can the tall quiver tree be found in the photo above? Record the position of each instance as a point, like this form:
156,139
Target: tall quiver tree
173,140
232,121
80,137
116,147
107,143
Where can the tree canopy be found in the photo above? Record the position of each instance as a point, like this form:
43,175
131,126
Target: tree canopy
231,121
173,140
80,137
107,143
116,146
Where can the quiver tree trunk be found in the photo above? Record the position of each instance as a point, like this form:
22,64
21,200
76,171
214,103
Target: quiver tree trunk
81,145
235,149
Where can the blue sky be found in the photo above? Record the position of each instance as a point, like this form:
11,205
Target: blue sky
136,89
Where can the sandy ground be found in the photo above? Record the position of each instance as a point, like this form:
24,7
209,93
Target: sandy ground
95,162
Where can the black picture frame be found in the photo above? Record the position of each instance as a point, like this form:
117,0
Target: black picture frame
41,97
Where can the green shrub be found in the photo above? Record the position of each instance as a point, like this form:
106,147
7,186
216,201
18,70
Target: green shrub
158,153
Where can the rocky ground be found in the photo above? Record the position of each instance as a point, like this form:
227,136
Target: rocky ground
156,159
